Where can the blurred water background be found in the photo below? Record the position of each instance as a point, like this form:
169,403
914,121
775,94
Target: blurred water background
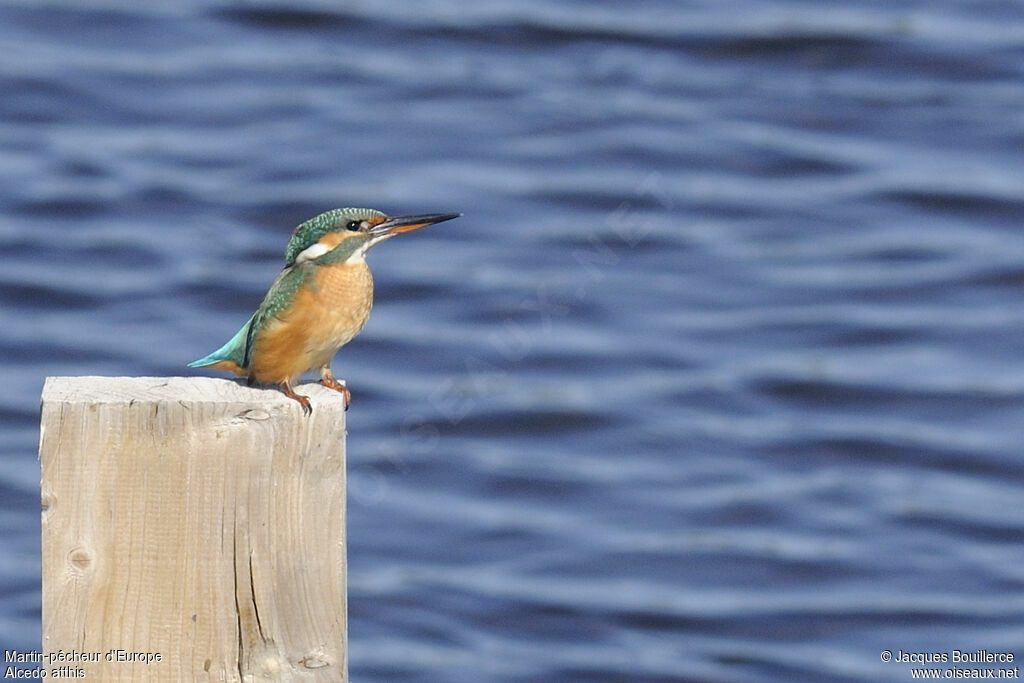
718,379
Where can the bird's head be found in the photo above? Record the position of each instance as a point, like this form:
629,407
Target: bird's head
347,234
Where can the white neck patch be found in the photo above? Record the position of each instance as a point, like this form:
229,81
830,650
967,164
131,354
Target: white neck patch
318,249
313,251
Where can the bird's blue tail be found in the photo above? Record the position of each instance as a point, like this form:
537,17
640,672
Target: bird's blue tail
232,352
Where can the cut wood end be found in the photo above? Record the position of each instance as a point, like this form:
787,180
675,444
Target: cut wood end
129,390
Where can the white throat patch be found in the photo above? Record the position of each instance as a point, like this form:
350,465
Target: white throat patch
359,255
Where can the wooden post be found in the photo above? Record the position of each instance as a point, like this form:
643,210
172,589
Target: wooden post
197,521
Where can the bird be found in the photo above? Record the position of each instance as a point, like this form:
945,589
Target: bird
317,304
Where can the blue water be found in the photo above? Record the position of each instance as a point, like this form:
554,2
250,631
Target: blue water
718,379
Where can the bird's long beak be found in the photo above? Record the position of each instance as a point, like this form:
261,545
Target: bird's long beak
393,226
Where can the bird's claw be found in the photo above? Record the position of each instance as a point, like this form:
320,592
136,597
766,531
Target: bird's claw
307,409
332,383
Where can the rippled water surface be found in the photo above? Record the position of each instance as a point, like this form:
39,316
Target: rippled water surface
718,379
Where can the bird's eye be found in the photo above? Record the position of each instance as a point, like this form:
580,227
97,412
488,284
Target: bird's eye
353,225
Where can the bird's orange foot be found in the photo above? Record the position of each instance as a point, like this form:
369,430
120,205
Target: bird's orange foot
331,383
307,409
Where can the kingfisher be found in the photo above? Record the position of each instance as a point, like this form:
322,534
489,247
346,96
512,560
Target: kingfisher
317,304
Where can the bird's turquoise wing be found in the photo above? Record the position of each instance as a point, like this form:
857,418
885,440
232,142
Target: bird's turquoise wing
277,300
236,353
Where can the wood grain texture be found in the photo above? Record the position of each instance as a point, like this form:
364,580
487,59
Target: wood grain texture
196,518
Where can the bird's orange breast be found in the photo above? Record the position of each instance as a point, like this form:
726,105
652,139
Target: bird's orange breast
326,313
